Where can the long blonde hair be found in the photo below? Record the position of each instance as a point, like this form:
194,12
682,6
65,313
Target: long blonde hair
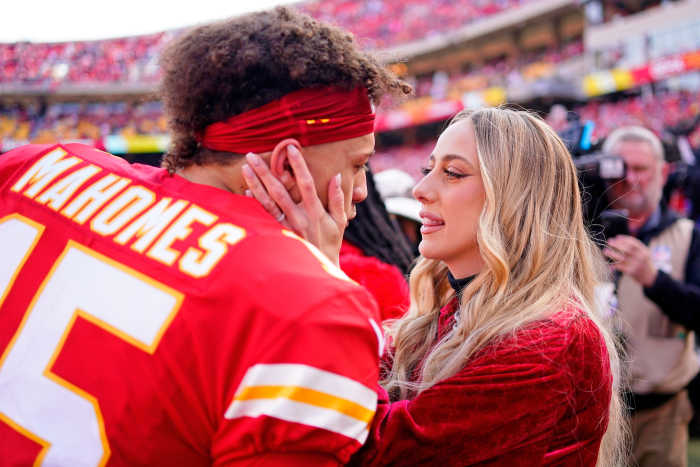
538,259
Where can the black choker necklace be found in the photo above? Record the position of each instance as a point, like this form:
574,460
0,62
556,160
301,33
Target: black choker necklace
459,284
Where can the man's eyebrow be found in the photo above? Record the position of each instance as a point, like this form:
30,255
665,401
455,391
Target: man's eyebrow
366,154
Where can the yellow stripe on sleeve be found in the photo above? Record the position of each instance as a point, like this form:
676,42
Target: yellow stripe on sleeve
307,396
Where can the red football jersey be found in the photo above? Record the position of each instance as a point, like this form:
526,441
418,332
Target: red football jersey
148,320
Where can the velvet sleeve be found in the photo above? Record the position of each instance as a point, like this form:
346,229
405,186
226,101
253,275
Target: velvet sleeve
503,408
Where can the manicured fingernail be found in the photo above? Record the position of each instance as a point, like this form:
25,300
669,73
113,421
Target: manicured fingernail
247,171
292,151
248,193
337,179
252,158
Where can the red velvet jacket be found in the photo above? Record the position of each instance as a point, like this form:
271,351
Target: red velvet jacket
538,398
384,281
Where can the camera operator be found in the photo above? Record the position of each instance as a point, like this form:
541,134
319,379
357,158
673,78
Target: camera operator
659,299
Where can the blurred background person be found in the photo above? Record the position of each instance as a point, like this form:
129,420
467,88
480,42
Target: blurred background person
376,254
658,296
395,187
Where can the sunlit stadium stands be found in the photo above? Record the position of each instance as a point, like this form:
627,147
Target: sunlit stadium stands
101,91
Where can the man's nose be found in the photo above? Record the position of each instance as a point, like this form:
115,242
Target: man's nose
359,191
632,177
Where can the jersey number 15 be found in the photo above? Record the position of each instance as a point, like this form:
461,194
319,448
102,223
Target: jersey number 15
63,418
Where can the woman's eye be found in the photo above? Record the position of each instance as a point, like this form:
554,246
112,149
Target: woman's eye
452,174
425,170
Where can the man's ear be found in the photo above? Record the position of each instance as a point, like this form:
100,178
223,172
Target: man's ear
278,159
665,171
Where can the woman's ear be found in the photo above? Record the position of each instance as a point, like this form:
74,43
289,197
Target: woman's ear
278,159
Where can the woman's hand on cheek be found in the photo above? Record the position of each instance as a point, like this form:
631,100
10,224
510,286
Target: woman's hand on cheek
259,191
308,218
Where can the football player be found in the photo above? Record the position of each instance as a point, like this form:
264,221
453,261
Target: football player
156,316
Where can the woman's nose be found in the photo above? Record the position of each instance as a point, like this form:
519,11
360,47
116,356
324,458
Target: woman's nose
422,191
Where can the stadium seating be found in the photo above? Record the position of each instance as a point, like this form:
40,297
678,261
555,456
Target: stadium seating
644,110
96,121
134,59
79,121
678,107
500,72
380,24
384,23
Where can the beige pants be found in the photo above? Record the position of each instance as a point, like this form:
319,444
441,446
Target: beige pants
660,435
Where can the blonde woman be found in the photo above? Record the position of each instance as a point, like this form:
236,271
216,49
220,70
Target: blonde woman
503,358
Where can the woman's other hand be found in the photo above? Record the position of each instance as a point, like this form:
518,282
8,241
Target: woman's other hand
307,218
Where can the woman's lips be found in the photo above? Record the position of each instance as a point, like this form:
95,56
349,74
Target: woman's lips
426,229
431,222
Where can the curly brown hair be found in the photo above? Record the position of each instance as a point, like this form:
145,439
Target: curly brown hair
219,70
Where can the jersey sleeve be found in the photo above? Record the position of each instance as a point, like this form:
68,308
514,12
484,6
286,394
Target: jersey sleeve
307,395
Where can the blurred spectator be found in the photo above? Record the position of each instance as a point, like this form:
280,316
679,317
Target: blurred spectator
396,188
408,158
659,298
558,118
375,254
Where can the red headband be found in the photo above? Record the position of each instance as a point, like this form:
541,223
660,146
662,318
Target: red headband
312,116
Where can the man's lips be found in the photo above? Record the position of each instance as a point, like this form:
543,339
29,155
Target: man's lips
431,222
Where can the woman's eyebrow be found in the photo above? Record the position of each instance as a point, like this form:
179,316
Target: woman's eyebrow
449,157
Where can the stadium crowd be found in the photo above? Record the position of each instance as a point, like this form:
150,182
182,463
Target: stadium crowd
124,60
500,71
134,59
678,107
82,121
407,21
96,120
